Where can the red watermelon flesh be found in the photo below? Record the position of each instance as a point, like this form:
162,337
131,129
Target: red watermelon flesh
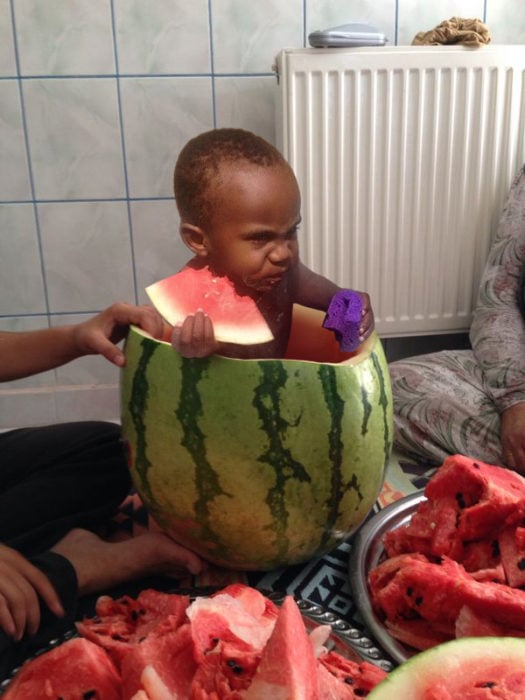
417,634
437,594
166,659
474,624
224,619
75,670
288,668
486,494
225,672
235,317
352,680
482,559
512,551
121,623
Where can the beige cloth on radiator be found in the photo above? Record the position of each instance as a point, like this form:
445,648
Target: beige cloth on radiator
471,32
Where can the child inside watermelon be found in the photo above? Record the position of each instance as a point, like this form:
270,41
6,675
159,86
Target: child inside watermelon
239,206
58,485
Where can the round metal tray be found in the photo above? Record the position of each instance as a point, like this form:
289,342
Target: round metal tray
345,639
366,553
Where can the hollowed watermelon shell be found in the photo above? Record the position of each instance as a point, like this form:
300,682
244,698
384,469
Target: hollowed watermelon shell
257,464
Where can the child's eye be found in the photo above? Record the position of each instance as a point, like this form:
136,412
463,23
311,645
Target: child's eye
260,238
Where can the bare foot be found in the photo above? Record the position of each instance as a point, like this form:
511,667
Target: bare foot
100,565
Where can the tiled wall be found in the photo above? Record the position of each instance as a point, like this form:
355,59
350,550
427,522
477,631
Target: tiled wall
96,99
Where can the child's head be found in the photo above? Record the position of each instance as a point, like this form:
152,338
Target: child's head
239,205
197,177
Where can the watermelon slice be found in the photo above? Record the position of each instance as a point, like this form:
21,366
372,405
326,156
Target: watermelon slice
235,317
120,624
479,668
75,670
164,662
288,668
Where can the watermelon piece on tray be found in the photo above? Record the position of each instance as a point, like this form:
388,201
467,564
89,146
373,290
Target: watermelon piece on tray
121,623
486,494
164,661
75,670
288,668
253,650
235,317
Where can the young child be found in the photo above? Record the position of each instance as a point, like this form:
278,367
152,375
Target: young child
240,210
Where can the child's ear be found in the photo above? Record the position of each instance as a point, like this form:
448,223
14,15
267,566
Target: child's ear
195,238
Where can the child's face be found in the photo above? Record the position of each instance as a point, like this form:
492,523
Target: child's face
252,236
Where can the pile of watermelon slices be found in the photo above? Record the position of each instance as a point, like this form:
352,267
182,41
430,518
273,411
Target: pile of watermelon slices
457,569
234,645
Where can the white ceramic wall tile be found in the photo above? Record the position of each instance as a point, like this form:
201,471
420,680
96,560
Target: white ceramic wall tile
323,14
87,255
74,138
7,47
22,324
24,408
165,36
248,35
506,21
14,173
159,250
97,403
64,37
416,16
159,116
91,370
247,103
21,277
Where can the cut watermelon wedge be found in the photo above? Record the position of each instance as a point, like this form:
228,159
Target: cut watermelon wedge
76,669
235,317
288,668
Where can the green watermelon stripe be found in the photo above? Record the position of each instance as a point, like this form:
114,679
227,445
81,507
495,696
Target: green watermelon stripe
385,405
267,402
336,409
137,409
188,412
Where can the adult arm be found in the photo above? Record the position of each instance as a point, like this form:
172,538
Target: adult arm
26,353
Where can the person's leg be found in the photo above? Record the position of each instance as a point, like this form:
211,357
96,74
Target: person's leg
441,408
58,477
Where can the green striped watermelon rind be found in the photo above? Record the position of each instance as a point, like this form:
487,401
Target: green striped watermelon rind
473,667
256,464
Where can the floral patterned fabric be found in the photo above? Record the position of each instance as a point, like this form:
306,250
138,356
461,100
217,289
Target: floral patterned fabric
449,402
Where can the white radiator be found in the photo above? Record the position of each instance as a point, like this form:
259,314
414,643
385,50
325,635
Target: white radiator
404,157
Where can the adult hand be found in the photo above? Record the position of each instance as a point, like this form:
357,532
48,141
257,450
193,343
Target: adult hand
513,437
21,585
100,334
194,337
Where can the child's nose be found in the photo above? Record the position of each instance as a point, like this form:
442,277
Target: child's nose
281,251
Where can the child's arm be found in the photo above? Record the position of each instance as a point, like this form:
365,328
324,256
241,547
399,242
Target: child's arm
316,291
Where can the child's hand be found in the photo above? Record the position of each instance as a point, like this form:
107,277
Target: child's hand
350,317
194,337
367,317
